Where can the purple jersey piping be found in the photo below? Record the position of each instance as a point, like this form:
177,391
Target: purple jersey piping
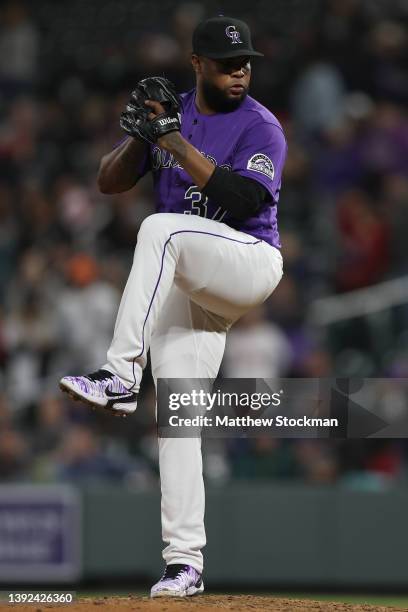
160,275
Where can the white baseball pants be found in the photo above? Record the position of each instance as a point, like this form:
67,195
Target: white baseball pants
191,279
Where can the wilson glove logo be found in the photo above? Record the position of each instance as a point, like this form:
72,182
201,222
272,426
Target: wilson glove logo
233,34
167,120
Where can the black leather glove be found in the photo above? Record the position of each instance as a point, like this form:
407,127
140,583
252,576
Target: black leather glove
134,121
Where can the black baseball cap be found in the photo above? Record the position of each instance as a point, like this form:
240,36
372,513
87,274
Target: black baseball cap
222,37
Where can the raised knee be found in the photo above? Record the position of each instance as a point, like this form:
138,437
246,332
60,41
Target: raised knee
156,224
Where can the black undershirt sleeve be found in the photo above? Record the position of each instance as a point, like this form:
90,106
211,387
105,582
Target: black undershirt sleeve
242,197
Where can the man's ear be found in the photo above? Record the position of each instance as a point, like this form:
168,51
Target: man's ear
196,64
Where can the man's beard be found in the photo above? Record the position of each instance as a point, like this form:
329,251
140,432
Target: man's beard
217,99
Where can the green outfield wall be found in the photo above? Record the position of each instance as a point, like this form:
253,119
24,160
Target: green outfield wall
259,535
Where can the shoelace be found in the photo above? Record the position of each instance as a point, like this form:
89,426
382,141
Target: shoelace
102,375
175,571
99,379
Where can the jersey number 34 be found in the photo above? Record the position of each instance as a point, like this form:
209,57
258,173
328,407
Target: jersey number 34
198,204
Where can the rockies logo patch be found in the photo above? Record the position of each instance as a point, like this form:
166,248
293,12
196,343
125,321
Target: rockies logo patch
261,163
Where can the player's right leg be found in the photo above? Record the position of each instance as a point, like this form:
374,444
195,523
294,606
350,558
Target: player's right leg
187,342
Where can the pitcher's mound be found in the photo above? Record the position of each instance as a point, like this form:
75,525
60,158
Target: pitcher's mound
203,603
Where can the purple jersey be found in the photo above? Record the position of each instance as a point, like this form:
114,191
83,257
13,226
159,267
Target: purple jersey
249,141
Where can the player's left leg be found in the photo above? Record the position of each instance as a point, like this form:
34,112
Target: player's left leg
223,270
188,342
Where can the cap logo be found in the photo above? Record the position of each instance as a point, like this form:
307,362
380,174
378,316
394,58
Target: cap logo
233,34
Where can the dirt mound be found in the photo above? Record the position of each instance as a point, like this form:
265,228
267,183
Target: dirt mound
203,603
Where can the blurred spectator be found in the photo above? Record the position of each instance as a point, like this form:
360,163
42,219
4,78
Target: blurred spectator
263,458
364,242
41,227
295,205
30,337
50,424
9,237
384,458
370,464
385,143
18,48
317,461
388,48
81,459
285,306
256,348
185,18
396,210
76,210
85,315
313,362
127,213
318,98
14,456
6,417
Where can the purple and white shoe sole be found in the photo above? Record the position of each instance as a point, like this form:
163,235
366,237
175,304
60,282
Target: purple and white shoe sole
189,592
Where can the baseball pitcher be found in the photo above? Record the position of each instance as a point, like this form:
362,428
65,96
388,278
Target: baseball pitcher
208,255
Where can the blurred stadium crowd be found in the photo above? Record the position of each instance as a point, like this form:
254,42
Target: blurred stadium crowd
336,74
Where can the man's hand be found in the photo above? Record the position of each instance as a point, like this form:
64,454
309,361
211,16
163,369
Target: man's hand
170,139
135,120
152,114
